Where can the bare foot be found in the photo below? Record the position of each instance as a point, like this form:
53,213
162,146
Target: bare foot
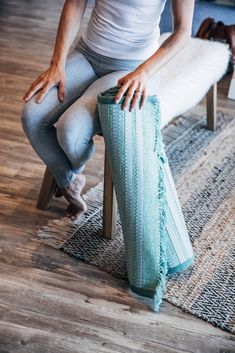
72,193
73,212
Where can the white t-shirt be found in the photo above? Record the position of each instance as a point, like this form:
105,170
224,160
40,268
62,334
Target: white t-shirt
125,29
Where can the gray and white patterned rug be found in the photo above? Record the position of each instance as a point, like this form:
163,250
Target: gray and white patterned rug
202,163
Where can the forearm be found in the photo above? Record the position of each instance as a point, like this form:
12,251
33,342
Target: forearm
182,16
69,24
168,49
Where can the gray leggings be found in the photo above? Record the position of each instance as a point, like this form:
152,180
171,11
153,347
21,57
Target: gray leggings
61,132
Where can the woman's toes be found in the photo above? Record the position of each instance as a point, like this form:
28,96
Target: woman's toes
73,212
72,193
77,214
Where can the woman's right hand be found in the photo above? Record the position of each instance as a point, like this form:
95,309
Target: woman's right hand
53,76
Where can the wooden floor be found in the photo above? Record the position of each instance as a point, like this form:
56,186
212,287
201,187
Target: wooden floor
50,302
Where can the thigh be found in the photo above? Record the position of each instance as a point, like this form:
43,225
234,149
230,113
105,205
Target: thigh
79,74
111,79
81,118
89,97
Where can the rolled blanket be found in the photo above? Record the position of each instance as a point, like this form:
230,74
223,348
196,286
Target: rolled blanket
155,235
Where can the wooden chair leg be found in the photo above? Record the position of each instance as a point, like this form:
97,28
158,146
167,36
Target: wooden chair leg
211,102
47,190
109,202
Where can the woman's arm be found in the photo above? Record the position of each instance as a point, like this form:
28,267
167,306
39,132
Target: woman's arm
182,16
69,24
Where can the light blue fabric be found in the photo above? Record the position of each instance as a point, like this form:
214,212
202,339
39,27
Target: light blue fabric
61,133
155,234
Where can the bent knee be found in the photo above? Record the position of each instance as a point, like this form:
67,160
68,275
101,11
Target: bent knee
78,124
26,113
72,137
36,115
31,112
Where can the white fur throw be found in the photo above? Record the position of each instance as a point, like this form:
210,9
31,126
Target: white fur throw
185,80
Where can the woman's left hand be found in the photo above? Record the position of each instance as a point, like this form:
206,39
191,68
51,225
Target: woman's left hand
136,84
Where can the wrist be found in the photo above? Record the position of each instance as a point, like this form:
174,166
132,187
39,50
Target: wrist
148,69
58,62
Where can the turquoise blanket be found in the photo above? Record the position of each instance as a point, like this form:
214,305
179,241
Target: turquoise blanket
155,236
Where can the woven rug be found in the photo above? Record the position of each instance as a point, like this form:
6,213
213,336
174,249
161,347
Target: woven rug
202,164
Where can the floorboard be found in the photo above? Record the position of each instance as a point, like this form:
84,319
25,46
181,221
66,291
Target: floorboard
50,301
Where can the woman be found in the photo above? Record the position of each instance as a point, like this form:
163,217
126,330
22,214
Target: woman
119,47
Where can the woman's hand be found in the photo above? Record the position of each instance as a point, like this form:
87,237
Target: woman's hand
136,84
53,76
70,20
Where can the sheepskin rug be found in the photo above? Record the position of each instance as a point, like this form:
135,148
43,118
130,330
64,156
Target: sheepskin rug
184,81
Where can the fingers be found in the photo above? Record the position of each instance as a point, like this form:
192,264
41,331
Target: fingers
121,81
121,91
143,98
136,97
61,91
43,93
129,95
36,86
53,76
135,90
132,95
128,85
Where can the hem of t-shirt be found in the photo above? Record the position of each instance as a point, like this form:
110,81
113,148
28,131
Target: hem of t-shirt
131,55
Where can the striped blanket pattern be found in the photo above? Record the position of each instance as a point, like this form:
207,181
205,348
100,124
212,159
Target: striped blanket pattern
155,235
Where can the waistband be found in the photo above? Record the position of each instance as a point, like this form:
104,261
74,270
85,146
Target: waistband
81,45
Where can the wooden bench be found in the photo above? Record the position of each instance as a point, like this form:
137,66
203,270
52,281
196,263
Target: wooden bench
184,76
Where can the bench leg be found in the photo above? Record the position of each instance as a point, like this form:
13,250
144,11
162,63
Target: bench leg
109,203
211,103
47,190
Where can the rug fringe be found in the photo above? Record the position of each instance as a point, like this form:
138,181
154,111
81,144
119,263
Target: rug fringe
58,231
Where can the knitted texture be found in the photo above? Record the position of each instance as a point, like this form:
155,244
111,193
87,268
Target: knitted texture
155,236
